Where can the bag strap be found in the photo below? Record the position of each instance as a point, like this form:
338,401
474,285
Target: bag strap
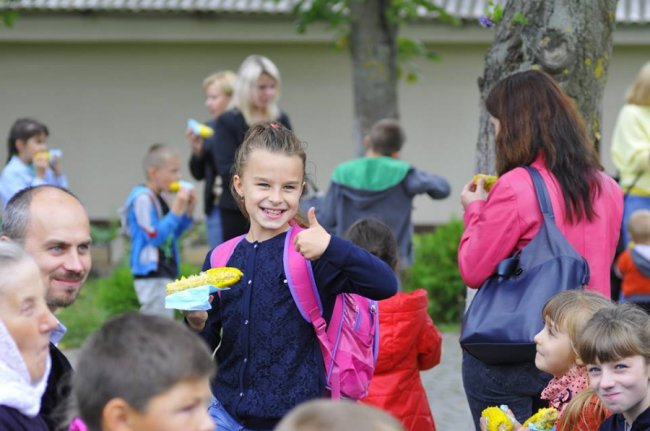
302,285
300,278
221,254
542,192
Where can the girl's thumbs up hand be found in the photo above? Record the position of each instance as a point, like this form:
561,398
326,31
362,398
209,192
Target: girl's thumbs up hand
313,241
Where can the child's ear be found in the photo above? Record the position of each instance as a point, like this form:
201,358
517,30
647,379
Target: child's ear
236,182
116,415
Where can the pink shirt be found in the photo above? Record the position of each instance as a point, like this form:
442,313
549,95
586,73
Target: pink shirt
510,217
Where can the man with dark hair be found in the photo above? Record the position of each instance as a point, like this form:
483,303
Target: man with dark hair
51,224
379,185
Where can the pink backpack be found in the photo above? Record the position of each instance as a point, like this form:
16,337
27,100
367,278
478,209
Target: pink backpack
350,343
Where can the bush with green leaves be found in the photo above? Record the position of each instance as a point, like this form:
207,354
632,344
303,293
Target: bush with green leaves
436,270
116,293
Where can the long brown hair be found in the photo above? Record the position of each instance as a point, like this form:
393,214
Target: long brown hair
536,116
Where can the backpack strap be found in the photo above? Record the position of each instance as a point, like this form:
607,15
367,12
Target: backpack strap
302,285
221,254
300,278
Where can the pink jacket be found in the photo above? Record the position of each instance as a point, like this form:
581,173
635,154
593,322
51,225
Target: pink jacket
510,218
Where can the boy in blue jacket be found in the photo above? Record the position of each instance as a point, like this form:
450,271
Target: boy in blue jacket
380,186
155,226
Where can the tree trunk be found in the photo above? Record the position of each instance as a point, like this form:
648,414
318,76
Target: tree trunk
570,40
373,49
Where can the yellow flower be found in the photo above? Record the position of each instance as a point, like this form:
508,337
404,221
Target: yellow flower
544,419
497,420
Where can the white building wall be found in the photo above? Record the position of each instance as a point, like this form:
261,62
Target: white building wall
109,87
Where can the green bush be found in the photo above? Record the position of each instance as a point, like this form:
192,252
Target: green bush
436,270
116,293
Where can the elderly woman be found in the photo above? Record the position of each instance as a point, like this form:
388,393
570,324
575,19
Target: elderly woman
25,326
255,98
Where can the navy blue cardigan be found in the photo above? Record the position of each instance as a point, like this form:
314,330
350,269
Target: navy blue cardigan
12,420
616,422
269,359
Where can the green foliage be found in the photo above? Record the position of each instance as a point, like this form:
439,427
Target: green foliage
336,13
101,298
104,233
407,50
436,270
115,293
8,16
519,18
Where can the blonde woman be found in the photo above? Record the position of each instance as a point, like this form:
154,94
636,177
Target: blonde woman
255,99
631,147
218,89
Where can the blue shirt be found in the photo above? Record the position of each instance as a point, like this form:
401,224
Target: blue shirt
18,175
269,359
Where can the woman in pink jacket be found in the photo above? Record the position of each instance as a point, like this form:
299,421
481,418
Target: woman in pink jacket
537,124
410,342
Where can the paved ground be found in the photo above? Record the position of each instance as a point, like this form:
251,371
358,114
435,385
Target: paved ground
445,389
443,384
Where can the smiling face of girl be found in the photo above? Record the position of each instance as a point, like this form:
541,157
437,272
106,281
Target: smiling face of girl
622,385
270,185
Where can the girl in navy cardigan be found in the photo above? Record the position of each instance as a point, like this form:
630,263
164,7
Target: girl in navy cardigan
268,355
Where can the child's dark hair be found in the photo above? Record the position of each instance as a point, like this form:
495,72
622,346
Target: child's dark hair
386,137
24,129
376,237
270,136
135,357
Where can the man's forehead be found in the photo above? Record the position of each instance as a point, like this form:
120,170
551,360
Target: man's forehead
61,218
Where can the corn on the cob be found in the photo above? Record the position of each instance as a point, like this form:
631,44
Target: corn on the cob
489,180
497,420
200,129
177,185
217,277
544,419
